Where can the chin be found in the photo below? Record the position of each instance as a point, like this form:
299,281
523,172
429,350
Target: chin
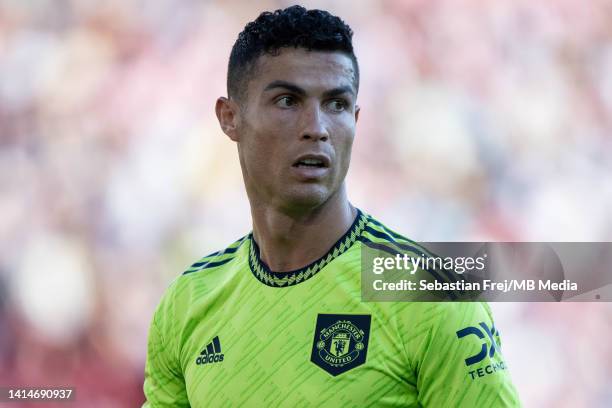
307,198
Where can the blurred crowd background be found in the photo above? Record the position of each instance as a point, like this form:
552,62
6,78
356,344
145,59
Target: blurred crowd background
480,121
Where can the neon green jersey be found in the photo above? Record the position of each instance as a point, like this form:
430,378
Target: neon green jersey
231,333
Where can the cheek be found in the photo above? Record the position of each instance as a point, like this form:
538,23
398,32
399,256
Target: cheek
343,153
257,154
262,151
344,144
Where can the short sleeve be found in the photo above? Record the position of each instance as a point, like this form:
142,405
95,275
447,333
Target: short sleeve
458,359
164,384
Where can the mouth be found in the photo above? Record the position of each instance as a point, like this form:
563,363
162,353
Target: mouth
312,161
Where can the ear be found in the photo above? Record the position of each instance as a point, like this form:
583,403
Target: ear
228,115
357,110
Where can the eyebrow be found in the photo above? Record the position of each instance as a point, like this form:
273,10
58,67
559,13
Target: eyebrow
300,91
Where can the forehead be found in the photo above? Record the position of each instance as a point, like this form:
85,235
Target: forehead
311,70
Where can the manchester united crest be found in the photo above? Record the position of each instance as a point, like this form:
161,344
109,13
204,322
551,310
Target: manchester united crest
340,342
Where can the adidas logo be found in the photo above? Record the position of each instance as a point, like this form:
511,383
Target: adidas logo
211,354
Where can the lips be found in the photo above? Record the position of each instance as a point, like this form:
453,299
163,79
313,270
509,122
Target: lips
311,168
312,161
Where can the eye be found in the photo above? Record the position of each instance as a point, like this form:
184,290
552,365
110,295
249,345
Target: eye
337,105
286,102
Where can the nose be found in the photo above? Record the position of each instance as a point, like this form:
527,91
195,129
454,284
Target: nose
314,124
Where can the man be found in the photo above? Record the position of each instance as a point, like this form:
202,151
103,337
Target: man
276,319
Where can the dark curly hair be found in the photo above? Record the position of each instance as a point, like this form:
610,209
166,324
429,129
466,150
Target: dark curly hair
314,30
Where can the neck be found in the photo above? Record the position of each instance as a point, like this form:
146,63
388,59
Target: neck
288,241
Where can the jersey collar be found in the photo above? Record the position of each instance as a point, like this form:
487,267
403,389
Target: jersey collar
280,279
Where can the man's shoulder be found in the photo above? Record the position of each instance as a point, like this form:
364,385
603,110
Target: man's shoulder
379,236
208,271
202,276
380,231
217,258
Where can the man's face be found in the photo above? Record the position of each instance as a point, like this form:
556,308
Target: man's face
295,128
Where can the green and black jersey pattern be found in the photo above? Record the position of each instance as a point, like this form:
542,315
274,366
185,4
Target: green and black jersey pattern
229,332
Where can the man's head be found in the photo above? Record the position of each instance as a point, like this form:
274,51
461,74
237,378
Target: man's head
293,27
292,86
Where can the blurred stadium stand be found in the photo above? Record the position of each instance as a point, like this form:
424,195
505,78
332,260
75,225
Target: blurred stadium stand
480,121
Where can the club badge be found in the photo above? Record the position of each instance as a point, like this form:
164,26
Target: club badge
340,342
